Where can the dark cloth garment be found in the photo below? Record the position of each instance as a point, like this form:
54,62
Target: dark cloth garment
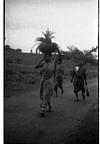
59,75
79,85
79,78
59,80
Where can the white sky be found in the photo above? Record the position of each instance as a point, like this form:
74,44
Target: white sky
75,22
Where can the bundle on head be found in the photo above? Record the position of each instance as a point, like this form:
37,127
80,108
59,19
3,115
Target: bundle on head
46,48
45,43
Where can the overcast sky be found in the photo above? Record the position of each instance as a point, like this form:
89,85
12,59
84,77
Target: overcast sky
75,22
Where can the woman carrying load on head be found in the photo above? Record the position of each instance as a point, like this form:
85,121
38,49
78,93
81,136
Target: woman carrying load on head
79,80
48,64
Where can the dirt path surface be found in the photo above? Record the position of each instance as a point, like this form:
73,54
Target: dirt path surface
23,124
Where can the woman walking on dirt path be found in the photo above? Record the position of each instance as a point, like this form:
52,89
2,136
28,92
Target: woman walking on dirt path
79,80
59,77
48,64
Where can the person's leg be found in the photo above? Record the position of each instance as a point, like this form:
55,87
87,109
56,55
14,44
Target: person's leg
41,88
82,88
60,83
41,94
56,89
76,94
43,107
83,94
76,88
49,106
43,100
61,87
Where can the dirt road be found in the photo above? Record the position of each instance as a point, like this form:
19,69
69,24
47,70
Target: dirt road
23,124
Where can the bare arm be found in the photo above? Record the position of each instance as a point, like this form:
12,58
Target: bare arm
72,75
85,77
40,64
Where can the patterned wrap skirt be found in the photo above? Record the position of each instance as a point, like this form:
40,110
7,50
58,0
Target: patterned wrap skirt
46,93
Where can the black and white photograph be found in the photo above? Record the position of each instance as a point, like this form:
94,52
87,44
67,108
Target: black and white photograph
51,71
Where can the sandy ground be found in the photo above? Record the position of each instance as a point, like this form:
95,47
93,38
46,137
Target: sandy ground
69,122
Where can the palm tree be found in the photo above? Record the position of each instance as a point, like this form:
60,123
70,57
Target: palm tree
45,44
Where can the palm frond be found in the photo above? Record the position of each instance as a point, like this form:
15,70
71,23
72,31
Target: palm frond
48,34
37,49
44,34
41,39
52,37
51,33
